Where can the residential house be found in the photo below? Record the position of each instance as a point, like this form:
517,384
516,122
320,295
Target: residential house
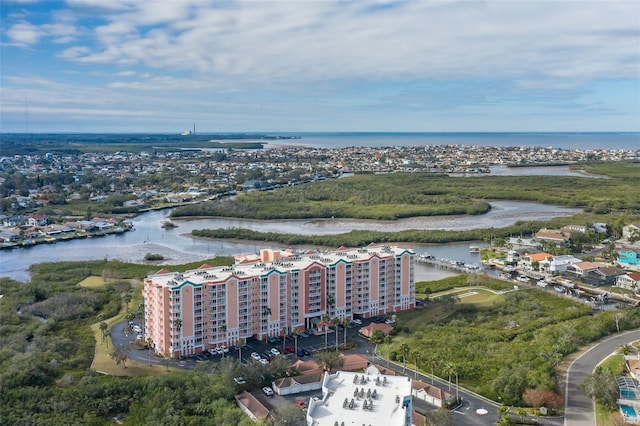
37,220
431,394
580,268
631,231
532,258
557,236
558,264
629,281
629,258
368,330
605,275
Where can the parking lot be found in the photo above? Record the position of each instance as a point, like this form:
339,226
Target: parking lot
123,334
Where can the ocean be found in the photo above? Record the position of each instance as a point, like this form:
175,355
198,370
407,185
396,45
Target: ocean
573,140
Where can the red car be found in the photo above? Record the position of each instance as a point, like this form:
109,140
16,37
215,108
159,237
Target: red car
289,349
301,404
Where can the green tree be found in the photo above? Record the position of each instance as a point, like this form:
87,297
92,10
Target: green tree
103,329
289,415
601,386
120,354
149,347
177,326
405,349
330,359
126,298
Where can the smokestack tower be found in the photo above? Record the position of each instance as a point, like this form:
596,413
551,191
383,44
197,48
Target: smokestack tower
194,128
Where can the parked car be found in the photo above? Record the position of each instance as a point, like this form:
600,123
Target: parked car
390,321
273,340
304,334
301,404
256,356
139,337
289,349
306,352
275,351
357,321
240,380
263,361
224,349
267,391
300,353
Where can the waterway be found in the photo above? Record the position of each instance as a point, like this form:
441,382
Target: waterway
177,246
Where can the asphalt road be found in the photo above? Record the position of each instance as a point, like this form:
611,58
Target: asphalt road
579,409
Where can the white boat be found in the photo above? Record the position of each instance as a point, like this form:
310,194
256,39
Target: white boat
474,249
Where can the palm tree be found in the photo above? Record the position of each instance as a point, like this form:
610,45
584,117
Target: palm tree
431,362
126,298
452,369
103,329
177,325
345,326
107,335
331,301
325,319
416,356
336,321
625,349
149,346
448,370
404,348
387,341
295,332
239,343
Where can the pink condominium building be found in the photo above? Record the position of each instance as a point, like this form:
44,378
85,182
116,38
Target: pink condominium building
273,293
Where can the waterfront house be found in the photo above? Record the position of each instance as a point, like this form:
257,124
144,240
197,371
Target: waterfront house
37,220
605,275
558,264
629,281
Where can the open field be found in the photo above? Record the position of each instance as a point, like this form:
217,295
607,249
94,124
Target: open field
92,282
478,296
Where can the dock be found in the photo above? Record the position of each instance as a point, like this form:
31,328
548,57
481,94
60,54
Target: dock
452,265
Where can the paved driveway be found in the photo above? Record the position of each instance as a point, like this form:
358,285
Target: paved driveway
579,409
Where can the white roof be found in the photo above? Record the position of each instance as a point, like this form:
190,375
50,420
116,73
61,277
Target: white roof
391,406
292,263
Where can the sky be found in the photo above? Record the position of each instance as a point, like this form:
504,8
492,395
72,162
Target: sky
318,65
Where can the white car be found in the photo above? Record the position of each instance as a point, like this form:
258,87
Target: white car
139,337
240,380
224,349
275,351
357,321
256,356
264,361
267,391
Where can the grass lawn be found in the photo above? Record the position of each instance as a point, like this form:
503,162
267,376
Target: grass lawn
478,296
92,282
102,361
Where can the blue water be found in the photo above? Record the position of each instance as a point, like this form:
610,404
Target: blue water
577,140
628,411
627,393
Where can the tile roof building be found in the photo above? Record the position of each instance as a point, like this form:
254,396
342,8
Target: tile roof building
187,313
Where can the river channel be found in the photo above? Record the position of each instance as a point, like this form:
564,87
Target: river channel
177,246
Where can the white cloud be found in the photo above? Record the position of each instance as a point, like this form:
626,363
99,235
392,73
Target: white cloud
24,34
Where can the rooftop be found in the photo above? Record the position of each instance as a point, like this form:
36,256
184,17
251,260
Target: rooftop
368,398
292,263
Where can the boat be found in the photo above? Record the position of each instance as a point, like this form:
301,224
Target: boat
474,249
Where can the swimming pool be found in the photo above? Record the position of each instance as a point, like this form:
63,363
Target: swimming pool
627,393
628,411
